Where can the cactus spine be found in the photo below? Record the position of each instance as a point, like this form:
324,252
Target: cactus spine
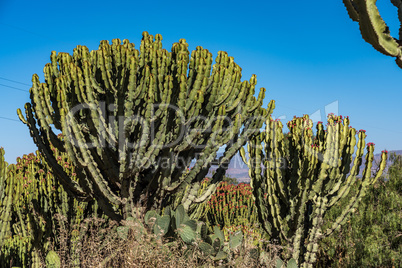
373,28
303,176
134,120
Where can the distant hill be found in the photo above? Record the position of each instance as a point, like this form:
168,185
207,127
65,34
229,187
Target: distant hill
239,170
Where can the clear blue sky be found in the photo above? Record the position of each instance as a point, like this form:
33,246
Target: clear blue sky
308,54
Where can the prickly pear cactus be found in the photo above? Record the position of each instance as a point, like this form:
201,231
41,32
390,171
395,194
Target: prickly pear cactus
52,260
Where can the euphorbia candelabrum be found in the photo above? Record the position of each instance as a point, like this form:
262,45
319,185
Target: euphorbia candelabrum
304,176
133,121
34,208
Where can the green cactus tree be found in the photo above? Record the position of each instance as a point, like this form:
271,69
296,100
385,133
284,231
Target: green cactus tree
296,179
34,210
134,120
373,28
6,198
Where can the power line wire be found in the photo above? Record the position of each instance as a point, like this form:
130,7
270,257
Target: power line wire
14,88
11,119
15,81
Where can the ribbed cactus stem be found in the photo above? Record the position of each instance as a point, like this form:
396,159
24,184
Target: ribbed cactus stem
373,28
304,176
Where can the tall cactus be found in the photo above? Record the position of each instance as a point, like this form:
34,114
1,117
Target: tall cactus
297,177
6,198
134,120
373,28
34,208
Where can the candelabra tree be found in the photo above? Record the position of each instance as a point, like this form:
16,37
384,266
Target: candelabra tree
36,213
135,121
373,28
297,180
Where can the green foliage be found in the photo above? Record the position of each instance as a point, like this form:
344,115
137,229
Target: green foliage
373,28
134,120
193,233
218,249
172,223
373,235
304,177
52,260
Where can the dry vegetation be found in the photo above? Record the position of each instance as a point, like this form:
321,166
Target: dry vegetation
103,247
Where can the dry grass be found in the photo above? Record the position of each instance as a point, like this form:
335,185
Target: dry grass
101,246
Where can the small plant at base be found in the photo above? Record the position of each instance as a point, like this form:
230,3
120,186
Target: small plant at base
231,208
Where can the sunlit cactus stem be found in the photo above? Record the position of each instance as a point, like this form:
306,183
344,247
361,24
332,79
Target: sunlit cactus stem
297,177
373,28
134,120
